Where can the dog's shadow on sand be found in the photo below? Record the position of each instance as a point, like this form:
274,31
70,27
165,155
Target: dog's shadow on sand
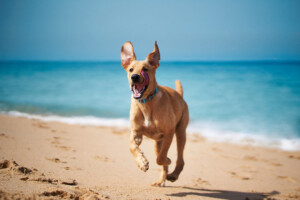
220,194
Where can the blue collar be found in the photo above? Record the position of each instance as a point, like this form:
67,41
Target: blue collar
149,98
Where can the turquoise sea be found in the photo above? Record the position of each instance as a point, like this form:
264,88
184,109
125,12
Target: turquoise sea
256,103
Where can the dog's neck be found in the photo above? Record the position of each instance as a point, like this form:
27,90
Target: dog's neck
149,98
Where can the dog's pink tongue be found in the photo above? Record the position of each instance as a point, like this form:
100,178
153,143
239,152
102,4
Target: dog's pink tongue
146,77
139,87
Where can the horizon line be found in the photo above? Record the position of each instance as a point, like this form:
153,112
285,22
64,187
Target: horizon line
164,61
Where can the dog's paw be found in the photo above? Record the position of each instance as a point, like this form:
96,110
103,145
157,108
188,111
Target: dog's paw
171,177
143,164
158,184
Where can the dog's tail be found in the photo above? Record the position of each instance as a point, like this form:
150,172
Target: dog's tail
179,87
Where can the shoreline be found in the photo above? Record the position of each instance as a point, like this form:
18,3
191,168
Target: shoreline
212,134
99,161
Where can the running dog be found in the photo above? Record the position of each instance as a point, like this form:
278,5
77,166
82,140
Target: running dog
156,112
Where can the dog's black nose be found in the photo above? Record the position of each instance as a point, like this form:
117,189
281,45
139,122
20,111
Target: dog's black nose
135,78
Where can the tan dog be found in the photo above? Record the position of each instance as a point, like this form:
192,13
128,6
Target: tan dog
156,112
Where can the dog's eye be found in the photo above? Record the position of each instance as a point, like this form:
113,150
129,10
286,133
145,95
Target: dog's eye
145,69
131,69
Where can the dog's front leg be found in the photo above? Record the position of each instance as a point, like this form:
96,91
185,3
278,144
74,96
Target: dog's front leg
140,159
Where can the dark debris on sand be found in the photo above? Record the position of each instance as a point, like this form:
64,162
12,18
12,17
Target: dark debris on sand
12,165
25,170
5,164
59,193
73,183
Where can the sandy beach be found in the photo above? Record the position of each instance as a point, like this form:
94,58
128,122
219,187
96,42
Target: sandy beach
55,160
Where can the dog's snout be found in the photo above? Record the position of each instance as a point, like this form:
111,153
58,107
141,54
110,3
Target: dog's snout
135,78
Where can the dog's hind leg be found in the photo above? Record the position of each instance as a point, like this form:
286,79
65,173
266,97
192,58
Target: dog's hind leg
141,160
164,172
162,158
180,139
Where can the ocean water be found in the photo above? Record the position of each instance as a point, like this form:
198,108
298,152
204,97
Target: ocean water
256,103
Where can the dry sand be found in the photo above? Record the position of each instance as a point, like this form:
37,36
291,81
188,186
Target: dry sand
55,160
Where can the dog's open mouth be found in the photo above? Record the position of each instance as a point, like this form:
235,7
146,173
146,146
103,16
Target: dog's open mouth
139,89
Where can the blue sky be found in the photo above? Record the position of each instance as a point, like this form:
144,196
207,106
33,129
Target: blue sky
185,30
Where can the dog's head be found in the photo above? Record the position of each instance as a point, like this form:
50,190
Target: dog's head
141,74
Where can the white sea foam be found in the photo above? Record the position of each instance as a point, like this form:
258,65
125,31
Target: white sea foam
208,130
81,120
217,133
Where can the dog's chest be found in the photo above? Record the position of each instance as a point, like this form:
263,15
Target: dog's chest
150,123
151,128
148,120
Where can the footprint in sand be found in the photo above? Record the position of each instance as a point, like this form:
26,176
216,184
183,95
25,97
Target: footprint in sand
64,148
200,181
252,158
293,196
297,157
56,141
3,135
118,132
287,178
196,138
242,176
41,125
276,164
56,160
103,158
83,193
216,149
249,169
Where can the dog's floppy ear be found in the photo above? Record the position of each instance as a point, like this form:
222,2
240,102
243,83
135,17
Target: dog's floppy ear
127,54
154,57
